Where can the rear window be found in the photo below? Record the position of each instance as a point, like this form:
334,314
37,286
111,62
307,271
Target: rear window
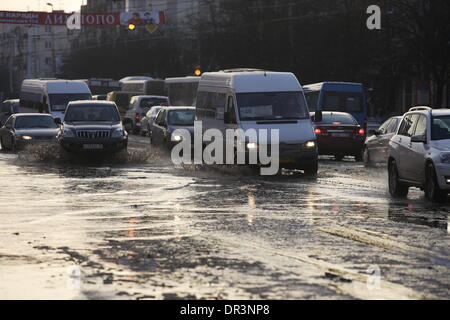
150,102
333,118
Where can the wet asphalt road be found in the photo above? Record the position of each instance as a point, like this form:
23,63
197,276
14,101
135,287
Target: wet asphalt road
145,229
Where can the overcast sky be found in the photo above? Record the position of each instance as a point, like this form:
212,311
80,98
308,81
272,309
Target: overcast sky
40,5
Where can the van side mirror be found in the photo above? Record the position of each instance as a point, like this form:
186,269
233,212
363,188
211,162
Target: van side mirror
421,138
318,116
58,121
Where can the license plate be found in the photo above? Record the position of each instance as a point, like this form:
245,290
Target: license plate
92,146
340,135
287,160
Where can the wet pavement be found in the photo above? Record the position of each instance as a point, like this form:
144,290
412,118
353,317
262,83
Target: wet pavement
142,228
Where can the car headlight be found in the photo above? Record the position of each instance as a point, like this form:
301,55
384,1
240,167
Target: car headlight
68,133
25,137
177,138
310,144
445,157
118,133
252,145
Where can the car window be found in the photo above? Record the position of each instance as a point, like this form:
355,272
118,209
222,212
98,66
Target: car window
181,117
440,128
32,122
421,128
383,129
408,124
392,127
8,123
338,118
160,117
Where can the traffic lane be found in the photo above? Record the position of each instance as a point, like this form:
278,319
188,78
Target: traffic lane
156,231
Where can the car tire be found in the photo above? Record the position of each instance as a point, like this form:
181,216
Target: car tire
359,156
338,157
311,170
396,188
366,157
432,190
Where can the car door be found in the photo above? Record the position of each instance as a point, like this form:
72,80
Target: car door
8,132
376,142
391,130
158,127
406,167
418,151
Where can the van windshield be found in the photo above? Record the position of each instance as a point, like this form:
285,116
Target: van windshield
58,102
271,106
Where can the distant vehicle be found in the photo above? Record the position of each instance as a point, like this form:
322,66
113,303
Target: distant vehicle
147,121
167,121
121,99
101,86
26,128
253,99
130,78
339,134
7,108
145,87
182,91
51,95
99,97
92,126
376,145
419,154
338,96
139,106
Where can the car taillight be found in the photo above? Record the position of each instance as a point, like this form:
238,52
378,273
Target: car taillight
317,131
360,131
137,116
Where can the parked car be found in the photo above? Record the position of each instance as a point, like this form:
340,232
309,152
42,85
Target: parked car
147,121
419,154
167,121
8,108
92,126
138,108
376,145
339,134
25,128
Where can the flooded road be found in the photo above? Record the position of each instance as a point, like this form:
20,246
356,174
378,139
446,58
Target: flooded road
146,229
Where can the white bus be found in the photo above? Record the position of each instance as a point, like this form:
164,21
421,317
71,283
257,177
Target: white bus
182,91
51,95
154,87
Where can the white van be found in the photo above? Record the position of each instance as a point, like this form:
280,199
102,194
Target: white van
51,95
255,99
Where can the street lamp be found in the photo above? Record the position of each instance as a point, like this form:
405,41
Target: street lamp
50,4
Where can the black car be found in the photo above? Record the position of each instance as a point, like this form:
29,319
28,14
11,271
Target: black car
92,126
25,128
339,134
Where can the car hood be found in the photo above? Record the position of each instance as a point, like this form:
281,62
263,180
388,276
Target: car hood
37,132
171,129
90,125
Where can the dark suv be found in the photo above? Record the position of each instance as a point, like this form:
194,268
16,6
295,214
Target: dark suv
92,126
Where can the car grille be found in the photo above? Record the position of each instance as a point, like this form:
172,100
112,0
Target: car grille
44,138
93,134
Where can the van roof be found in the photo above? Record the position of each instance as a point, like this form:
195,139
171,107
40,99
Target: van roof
55,85
183,79
251,81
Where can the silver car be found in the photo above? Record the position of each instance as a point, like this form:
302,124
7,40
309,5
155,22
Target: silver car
377,143
147,121
419,154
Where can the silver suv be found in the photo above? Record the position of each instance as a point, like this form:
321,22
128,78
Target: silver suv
419,154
